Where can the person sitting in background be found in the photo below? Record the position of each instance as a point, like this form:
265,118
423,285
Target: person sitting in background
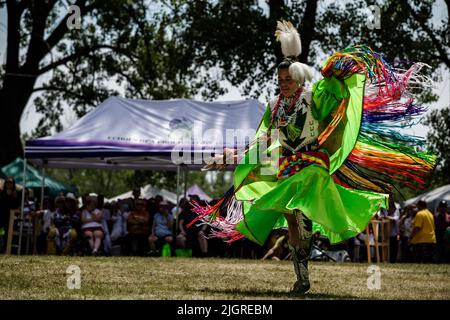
423,237
357,246
358,242
64,226
179,212
92,228
190,237
119,218
138,227
73,223
57,226
162,227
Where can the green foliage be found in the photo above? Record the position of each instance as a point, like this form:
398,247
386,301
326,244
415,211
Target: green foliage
239,51
103,56
243,50
107,182
111,183
439,143
214,183
140,178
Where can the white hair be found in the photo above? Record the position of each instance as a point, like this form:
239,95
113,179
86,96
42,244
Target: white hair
300,72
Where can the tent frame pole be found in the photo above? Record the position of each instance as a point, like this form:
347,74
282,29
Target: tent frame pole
178,204
42,187
24,188
185,183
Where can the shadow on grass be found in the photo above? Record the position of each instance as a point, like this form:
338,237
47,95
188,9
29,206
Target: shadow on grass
272,294
326,296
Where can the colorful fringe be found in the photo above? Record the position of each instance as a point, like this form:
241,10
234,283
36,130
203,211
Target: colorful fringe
340,112
358,59
222,217
381,153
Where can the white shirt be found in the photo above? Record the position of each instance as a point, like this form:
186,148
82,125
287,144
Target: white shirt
91,224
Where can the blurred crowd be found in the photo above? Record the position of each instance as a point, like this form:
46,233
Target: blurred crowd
90,226
154,227
413,234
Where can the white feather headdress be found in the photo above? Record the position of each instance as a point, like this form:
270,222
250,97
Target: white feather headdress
289,38
291,47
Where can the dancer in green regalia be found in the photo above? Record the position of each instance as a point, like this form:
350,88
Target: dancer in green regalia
324,158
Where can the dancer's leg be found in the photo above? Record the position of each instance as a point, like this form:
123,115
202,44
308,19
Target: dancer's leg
300,245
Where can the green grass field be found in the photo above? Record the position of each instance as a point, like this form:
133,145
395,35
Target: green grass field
45,277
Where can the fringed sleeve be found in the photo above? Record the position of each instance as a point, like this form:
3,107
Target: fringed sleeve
380,158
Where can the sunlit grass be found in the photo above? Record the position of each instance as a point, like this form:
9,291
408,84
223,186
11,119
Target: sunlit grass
44,277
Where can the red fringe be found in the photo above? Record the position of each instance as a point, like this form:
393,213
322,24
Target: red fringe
202,212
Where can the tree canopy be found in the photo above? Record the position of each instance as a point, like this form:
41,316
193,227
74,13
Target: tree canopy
166,49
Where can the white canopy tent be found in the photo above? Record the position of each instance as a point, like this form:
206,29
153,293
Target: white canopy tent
195,189
432,197
141,134
147,192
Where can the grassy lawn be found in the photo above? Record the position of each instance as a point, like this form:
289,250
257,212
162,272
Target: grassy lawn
44,277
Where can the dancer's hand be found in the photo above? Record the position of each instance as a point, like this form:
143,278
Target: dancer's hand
213,163
218,162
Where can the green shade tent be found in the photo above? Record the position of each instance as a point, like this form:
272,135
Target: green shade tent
34,179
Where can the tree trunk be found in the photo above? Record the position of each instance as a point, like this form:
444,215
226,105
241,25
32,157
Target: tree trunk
13,98
18,81
307,29
277,11
10,144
